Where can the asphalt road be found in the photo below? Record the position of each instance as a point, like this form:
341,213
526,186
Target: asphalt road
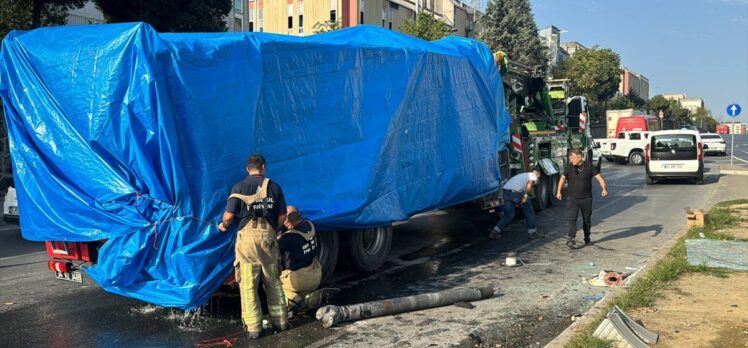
433,252
739,153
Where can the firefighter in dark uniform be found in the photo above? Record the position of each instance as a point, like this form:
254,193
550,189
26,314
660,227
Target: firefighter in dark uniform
260,208
302,271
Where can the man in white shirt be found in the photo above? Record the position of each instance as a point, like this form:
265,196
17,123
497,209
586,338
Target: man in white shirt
515,193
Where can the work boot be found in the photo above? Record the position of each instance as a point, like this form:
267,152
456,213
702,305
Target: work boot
297,306
252,335
494,234
532,236
281,327
588,242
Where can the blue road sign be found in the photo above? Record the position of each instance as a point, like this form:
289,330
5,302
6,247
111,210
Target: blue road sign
733,110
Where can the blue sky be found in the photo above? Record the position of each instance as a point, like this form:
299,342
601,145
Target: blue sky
697,47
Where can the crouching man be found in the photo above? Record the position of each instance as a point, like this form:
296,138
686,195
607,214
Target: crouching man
302,271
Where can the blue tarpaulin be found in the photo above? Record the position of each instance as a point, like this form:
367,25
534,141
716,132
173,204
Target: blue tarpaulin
123,134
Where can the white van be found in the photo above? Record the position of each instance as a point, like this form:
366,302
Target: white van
674,154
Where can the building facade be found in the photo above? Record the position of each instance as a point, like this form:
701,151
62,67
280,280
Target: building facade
571,47
551,38
299,17
632,81
692,104
88,14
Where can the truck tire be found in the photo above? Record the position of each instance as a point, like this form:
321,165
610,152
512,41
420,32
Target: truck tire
542,188
329,245
368,249
636,157
554,188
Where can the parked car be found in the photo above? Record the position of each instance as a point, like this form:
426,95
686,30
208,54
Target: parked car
10,205
714,144
674,154
628,147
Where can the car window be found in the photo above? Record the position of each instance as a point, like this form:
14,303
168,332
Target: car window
678,142
635,136
621,136
711,137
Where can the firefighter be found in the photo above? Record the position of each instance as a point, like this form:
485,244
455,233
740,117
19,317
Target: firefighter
302,271
260,208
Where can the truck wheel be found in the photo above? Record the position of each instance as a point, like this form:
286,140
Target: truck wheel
369,248
328,253
554,188
540,201
636,158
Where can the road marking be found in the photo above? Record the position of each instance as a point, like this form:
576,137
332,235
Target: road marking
8,228
24,255
739,159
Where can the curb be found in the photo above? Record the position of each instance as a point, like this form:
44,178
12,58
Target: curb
734,172
598,309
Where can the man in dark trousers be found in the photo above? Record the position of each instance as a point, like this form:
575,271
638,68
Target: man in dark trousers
259,205
579,174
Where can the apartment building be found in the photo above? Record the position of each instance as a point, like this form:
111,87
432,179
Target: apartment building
299,17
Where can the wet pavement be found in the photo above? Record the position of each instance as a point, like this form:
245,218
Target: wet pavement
433,252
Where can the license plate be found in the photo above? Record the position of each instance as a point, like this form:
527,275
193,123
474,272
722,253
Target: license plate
13,210
672,166
74,276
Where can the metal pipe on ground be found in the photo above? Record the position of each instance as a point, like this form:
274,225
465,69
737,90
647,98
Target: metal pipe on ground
332,315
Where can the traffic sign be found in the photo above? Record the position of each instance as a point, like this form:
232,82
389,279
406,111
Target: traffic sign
733,110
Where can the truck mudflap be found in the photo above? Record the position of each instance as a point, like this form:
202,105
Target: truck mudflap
549,168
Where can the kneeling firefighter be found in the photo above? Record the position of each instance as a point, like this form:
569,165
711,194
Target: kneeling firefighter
302,271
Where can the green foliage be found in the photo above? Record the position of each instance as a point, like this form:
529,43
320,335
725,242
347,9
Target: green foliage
630,101
426,27
22,15
169,15
510,27
672,110
703,118
595,72
326,26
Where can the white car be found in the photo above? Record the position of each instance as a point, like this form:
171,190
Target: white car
10,206
674,154
713,143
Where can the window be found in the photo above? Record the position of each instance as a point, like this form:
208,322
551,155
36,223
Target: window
333,7
301,18
333,17
251,19
237,24
262,20
361,13
290,18
238,6
390,26
635,136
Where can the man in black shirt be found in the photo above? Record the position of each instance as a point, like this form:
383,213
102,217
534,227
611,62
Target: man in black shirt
579,174
302,271
259,205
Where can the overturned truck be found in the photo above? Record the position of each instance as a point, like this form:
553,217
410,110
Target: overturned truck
125,142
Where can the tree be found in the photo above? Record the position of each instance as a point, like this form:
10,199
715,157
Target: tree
630,101
326,26
510,27
595,72
620,102
670,108
702,118
426,27
29,14
169,16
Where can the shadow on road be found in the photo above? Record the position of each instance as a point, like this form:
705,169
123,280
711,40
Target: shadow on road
629,232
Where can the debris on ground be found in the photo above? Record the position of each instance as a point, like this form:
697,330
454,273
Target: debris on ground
623,331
